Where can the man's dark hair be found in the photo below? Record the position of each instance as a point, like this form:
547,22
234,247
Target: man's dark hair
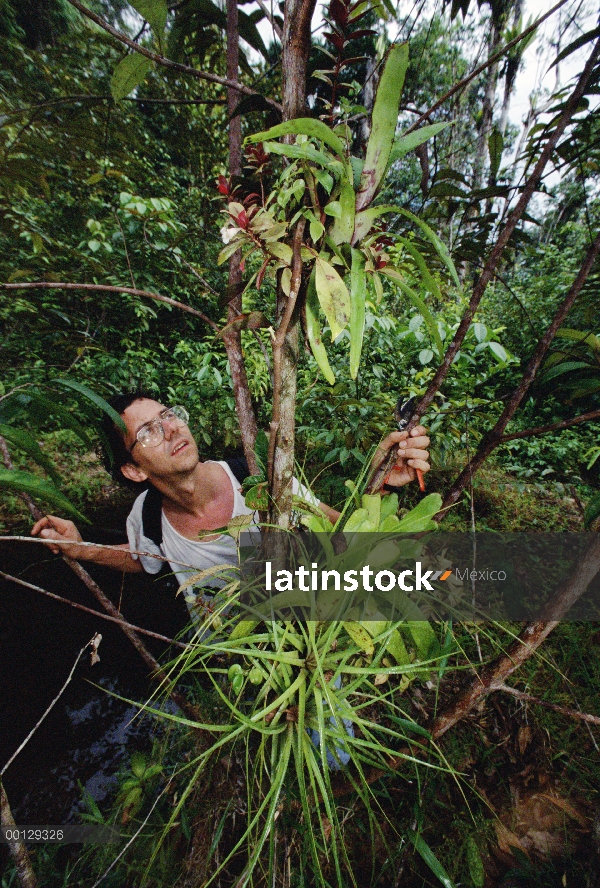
115,454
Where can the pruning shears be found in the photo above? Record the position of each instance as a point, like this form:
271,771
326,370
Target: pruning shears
403,414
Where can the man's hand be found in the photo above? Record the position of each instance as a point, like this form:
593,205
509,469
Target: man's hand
413,455
53,528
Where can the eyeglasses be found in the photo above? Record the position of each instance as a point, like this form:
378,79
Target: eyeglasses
152,433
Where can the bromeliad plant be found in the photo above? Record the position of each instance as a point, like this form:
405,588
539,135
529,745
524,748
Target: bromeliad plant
298,699
331,193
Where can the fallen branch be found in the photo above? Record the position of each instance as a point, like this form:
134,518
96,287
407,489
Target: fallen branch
493,676
167,63
52,285
555,707
94,613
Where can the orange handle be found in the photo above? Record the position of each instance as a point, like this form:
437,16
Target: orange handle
421,480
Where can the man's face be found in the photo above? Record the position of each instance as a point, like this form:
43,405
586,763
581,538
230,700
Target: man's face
176,454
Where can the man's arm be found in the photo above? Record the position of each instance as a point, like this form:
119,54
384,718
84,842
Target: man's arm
53,528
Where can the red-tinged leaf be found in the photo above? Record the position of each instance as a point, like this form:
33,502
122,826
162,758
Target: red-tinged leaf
242,219
223,185
355,35
261,273
338,12
337,41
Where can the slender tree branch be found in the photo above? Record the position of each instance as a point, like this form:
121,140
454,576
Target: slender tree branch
489,269
51,285
167,63
94,613
477,71
553,427
270,19
495,437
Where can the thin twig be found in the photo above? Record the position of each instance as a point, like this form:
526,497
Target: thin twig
555,707
94,613
553,427
167,63
48,710
477,71
52,285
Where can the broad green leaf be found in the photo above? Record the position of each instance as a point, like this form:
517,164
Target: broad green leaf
307,126
419,518
317,230
430,859
374,627
155,13
44,408
333,296
496,147
480,331
94,398
394,275
396,647
343,226
358,296
579,336
25,482
389,505
383,124
425,356
372,503
360,521
360,637
333,208
423,636
314,332
567,367
30,446
282,251
129,73
498,351
389,524
404,144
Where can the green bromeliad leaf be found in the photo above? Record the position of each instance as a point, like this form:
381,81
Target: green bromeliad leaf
314,332
383,125
307,126
358,296
333,296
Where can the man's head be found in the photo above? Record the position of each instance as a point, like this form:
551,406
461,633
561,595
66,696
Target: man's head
157,442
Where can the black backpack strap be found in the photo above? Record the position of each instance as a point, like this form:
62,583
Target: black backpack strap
239,467
152,515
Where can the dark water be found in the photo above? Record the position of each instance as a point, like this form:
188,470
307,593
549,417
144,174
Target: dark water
89,735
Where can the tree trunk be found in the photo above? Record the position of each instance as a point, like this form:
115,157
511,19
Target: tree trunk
233,341
296,47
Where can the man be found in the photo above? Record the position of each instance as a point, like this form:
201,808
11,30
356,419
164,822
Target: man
191,498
